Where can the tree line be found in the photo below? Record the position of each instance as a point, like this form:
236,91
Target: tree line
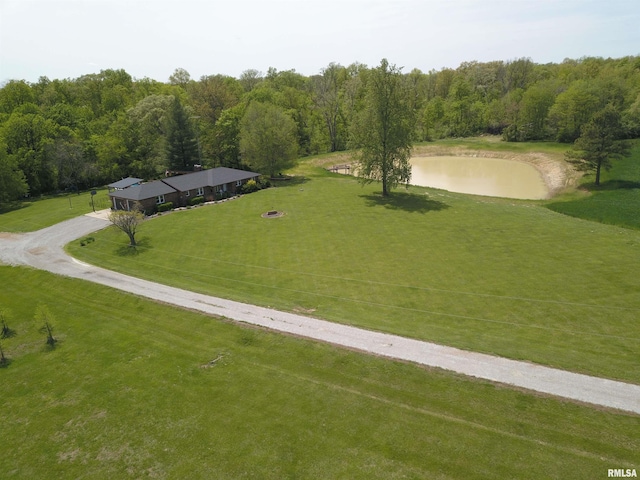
69,134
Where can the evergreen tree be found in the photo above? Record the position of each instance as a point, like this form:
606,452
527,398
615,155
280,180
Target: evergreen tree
182,146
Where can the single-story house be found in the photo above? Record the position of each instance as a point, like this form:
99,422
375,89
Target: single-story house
149,195
210,184
124,183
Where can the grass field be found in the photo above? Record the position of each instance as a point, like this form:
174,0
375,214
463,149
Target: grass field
495,143
34,214
500,276
616,201
135,389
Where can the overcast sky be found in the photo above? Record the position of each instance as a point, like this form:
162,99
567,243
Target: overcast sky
70,38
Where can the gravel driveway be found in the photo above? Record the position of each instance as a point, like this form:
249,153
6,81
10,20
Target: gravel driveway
44,250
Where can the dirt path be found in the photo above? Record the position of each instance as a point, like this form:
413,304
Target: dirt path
44,250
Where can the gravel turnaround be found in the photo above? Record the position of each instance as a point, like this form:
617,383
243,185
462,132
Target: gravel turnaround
44,250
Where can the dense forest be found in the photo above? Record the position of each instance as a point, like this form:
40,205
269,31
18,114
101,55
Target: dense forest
63,135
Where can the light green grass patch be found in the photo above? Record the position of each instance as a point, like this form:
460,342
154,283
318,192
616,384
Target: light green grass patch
34,214
495,143
500,276
135,389
616,201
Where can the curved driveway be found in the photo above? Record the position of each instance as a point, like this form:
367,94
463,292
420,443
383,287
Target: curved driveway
44,250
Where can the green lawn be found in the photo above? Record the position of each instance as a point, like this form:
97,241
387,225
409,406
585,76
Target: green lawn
616,201
496,144
135,389
505,277
34,214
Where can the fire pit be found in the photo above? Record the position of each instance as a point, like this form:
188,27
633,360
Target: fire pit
272,214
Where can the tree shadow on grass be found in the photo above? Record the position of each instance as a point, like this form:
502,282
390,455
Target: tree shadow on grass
612,185
289,181
7,332
143,244
409,202
13,206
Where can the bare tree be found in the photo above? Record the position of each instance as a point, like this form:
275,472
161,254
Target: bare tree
128,222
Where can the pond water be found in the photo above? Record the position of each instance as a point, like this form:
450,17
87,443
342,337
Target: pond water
493,177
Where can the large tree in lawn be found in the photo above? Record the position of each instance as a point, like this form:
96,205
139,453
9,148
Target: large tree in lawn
599,143
267,138
182,146
383,130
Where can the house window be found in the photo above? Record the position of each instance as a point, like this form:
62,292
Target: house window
160,199
187,193
239,183
200,191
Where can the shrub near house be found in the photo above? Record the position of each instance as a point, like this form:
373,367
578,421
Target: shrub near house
250,187
196,200
165,207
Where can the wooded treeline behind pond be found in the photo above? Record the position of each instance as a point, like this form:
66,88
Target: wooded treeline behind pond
69,134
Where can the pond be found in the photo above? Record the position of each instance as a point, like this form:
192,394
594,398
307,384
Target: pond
493,177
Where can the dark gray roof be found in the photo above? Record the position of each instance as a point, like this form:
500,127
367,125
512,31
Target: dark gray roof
190,181
125,182
209,178
144,191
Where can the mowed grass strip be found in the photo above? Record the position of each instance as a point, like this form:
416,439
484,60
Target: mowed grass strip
491,275
34,214
136,389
